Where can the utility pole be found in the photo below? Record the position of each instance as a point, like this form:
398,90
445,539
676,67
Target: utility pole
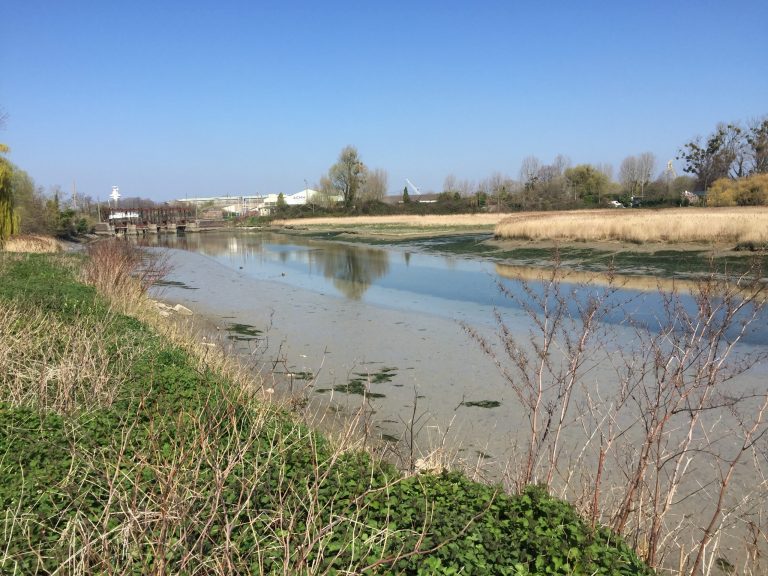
306,193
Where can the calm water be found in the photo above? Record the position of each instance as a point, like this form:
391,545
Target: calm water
408,278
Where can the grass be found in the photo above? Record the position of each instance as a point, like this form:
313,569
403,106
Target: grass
127,448
732,226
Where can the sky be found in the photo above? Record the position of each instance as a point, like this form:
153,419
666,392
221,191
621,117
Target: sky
182,99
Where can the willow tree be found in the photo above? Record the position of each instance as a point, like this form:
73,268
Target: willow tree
9,219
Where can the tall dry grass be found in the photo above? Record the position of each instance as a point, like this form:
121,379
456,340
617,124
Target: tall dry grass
680,225
409,220
61,365
33,243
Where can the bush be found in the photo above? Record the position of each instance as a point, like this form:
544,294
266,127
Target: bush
750,191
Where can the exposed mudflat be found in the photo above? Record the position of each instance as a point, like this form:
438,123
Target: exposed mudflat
331,341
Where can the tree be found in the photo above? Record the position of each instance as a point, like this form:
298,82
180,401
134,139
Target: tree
530,172
347,176
31,205
757,142
327,193
374,188
9,218
543,185
587,183
497,185
646,164
714,158
450,184
605,168
406,196
629,175
281,202
453,186
635,173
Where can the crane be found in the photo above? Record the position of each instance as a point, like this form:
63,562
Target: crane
669,175
412,186
670,171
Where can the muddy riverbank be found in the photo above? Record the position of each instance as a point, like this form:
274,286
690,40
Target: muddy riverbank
337,347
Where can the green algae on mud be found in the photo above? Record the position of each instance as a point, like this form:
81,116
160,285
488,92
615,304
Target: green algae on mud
481,404
174,284
242,332
361,383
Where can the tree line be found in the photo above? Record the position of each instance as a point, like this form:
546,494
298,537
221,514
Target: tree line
728,164
30,209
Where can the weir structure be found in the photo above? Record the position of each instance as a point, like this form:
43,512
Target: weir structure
147,220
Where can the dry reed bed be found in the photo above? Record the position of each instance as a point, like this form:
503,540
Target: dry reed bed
399,220
679,225
34,244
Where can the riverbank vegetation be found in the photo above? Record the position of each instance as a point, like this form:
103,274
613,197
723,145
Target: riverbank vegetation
26,209
730,228
745,227
749,191
33,243
404,225
125,451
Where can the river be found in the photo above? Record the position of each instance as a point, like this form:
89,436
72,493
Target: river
394,321
341,312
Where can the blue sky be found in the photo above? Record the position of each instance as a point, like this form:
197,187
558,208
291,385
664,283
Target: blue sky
173,99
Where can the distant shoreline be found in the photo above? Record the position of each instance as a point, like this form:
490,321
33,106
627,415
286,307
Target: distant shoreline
458,235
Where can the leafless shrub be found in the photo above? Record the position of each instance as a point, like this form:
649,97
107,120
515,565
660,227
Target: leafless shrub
678,424
122,271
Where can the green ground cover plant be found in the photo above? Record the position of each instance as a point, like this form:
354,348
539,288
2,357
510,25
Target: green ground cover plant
130,456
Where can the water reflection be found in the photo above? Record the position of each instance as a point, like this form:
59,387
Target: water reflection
412,280
640,283
352,269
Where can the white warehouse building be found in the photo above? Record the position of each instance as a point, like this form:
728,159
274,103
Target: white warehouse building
298,199
241,205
